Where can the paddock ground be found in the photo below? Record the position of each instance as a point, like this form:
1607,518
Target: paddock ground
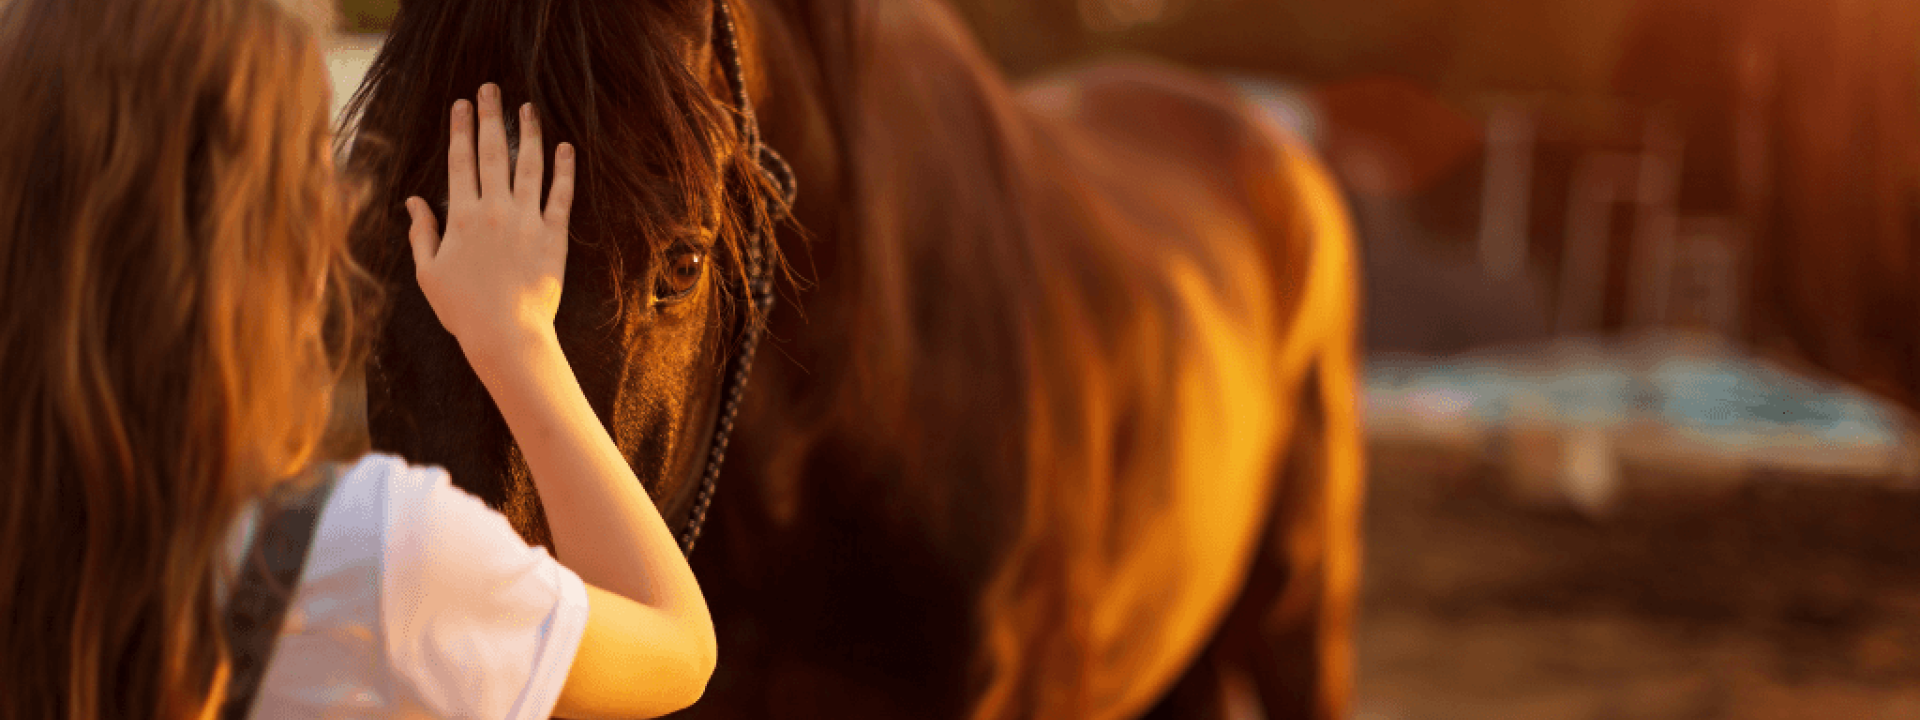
1768,595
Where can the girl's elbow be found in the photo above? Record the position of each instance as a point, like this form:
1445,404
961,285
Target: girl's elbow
702,655
707,655
703,646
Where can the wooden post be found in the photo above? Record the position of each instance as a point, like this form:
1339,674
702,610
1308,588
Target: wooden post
1506,191
1600,181
1650,283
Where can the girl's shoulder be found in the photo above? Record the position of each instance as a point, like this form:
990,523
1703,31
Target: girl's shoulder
356,509
423,599
381,473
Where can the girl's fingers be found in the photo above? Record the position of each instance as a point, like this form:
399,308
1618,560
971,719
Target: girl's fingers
493,144
461,187
526,175
560,198
424,235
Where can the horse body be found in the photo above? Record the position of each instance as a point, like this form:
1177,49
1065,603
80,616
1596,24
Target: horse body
1081,371
1063,424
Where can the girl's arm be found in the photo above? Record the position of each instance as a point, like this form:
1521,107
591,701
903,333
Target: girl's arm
494,280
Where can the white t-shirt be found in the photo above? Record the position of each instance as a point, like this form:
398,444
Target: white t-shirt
417,600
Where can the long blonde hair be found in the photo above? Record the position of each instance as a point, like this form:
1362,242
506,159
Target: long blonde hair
176,304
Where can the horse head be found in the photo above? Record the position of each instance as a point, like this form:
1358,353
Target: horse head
663,279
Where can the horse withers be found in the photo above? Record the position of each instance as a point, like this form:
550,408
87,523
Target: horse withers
1060,420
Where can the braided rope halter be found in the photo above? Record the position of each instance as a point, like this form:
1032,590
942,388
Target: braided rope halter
758,282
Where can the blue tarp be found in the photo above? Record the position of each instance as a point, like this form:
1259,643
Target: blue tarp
1692,385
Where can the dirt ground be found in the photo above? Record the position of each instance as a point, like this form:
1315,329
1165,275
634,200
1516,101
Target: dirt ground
1785,597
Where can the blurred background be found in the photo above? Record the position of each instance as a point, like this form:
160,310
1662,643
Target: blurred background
1643,332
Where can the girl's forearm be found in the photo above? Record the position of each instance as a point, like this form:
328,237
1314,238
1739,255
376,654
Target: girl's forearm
604,526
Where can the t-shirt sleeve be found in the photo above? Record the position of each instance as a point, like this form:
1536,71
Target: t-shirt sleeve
477,623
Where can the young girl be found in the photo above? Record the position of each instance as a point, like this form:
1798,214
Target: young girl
174,305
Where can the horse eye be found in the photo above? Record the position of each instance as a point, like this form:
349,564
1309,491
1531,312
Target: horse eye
680,274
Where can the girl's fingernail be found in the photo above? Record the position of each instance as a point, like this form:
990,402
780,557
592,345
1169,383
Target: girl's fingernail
565,152
459,109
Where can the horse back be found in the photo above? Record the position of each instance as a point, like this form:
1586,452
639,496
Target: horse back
1214,259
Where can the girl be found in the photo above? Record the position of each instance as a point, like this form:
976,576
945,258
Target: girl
175,310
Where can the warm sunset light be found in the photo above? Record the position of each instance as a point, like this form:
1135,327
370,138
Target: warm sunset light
960,359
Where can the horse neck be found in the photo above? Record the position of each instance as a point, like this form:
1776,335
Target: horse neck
921,293
909,152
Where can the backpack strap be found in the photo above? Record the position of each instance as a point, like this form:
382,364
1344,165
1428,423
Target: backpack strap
268,576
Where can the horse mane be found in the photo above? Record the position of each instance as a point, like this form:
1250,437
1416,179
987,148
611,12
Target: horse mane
655,144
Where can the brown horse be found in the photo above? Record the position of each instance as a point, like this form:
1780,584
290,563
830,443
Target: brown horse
1065,422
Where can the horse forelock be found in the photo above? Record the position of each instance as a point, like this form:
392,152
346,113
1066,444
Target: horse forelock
654,134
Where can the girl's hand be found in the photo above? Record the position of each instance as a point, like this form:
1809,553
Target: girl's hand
495,279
